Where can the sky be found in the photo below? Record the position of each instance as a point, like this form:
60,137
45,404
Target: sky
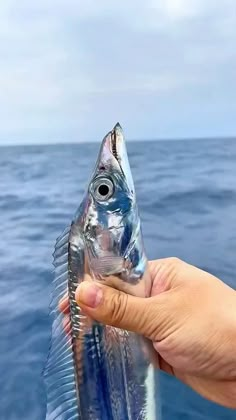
70,69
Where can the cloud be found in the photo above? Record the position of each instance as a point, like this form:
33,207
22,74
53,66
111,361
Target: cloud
71,69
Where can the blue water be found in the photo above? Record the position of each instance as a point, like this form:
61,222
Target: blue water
187,197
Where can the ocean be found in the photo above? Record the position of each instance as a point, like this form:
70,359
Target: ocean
186,192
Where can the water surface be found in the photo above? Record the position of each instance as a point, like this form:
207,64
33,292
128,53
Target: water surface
187,197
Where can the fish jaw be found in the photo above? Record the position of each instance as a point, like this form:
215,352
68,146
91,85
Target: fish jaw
113,157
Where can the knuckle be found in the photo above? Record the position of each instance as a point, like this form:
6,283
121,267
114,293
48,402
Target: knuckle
164,272
172,267
174,261
118,308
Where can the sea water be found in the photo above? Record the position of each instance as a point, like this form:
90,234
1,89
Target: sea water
186,192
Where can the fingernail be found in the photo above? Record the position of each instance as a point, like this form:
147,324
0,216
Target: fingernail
89,294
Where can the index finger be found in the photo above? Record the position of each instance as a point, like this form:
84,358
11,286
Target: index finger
64,305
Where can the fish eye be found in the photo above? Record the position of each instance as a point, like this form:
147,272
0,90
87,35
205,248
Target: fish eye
103,189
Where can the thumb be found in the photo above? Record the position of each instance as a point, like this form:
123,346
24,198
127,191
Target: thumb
113,307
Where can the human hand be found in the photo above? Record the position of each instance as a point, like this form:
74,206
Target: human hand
190,318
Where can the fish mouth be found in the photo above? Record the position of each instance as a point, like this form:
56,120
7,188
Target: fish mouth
113,156
116,138
112,147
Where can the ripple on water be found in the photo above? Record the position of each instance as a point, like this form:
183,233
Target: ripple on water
187,197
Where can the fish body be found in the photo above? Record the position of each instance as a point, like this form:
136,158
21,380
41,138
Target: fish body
99,372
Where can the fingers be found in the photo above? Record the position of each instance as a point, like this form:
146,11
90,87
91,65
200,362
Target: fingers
146,316
66,324
165,274
64,305
112,307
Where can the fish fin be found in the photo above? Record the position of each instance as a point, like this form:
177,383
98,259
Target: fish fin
62,403
88,343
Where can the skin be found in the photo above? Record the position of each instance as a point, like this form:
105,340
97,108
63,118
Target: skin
190,318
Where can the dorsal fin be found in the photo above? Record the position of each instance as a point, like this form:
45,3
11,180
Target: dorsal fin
59,374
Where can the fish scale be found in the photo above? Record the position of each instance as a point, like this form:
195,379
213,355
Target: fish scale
98,372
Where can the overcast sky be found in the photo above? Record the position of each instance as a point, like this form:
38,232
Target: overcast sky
69,69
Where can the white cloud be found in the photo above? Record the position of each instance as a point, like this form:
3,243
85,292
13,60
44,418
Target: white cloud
59,60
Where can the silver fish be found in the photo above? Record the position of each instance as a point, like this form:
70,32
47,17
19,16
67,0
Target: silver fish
99,372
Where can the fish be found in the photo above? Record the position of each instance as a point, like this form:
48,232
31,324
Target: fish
96,371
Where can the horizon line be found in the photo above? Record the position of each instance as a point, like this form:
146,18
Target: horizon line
128,140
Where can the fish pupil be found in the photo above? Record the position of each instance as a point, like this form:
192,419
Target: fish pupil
103,190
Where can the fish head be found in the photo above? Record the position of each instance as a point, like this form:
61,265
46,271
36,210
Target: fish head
111,186
109,217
